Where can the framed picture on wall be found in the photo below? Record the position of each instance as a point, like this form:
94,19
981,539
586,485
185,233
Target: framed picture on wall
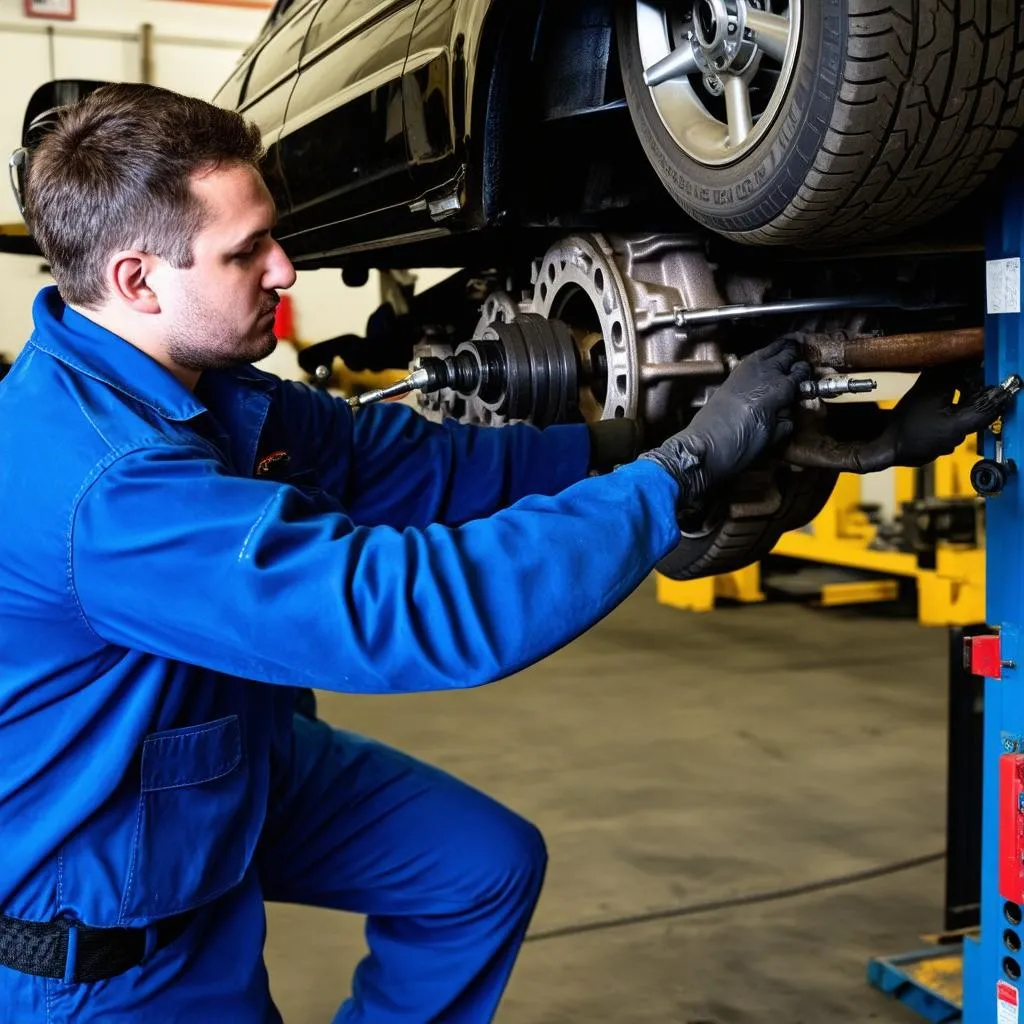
63,10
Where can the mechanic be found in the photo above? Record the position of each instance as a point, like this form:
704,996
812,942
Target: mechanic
187,540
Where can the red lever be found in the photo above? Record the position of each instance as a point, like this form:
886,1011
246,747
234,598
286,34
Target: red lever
985,656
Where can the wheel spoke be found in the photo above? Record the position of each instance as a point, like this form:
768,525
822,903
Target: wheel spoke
737,106
770,31
678,64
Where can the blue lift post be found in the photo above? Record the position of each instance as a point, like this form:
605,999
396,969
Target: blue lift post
984,984
993,963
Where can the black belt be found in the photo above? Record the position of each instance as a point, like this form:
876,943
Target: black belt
43,948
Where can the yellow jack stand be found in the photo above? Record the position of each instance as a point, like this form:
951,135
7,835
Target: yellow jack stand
700,595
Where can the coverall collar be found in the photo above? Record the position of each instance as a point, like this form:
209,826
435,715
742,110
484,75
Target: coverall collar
237,399
87,347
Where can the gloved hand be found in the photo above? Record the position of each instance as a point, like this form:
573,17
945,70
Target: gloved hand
924,425
750,412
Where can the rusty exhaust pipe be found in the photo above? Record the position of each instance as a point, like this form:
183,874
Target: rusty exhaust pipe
902,352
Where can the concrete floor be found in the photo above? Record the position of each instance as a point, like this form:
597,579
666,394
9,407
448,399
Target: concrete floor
670,759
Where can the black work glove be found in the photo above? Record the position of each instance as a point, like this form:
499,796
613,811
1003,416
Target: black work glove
924,426
749,413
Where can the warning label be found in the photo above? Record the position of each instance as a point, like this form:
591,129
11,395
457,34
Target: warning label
1008,1003
1003,285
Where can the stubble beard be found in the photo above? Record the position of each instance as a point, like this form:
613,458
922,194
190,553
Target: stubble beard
199,343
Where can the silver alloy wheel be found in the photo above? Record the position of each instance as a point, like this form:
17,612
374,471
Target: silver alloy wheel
718,70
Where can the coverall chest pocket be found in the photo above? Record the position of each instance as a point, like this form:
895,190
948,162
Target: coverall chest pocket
195,831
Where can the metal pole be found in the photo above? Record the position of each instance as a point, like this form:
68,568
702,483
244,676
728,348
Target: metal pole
963,786
53,60
993,963
146,62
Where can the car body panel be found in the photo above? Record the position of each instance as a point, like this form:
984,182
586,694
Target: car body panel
446,82
409,123
262,84
343,143
433,134
373,145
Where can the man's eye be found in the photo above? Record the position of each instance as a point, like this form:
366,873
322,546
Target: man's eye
247,255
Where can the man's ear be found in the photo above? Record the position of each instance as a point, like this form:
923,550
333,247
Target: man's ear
128,275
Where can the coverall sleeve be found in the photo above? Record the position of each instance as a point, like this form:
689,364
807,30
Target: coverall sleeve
173,556
389,465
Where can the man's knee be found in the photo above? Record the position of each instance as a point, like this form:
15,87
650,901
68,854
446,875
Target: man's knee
517,860
534,850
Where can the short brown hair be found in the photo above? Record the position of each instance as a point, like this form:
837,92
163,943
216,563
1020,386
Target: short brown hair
115,174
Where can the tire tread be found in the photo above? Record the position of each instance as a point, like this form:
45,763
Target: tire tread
932,97
741,542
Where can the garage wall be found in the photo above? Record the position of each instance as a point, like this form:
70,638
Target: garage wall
195,47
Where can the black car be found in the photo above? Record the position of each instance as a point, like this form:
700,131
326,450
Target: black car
639,191
399,124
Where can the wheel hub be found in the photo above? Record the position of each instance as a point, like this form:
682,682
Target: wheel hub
744,52
707,22
518,366
718,36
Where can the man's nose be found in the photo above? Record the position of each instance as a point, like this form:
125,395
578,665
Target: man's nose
280,273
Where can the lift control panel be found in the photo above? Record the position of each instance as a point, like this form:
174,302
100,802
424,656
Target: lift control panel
1011,827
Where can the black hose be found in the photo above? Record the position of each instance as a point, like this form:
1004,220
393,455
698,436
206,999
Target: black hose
709,906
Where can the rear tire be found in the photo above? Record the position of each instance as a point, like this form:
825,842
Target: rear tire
737,543
927,99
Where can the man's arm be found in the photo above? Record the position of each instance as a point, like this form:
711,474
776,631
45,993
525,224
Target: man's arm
390,466
173,555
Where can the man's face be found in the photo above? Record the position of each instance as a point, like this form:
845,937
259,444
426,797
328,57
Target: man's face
220,311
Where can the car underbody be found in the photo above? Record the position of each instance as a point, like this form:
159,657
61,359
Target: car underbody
643,327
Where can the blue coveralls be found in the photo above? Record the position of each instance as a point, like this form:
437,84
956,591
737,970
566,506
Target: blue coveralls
152,585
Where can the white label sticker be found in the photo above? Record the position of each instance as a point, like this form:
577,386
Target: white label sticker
1008,1002
1003,279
